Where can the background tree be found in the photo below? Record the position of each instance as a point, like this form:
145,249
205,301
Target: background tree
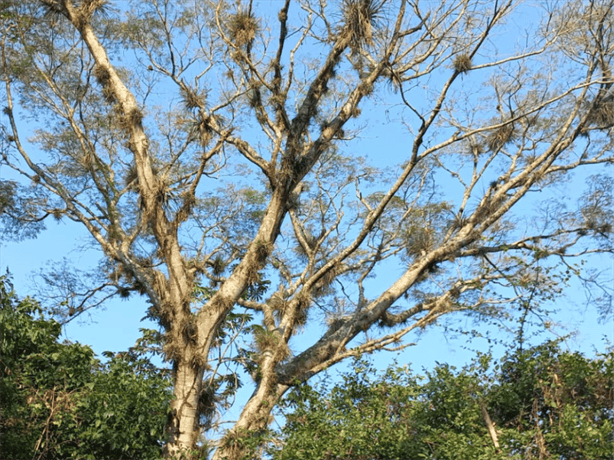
207,148
537,403
59,402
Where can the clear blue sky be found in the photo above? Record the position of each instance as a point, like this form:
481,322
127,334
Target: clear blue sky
115,327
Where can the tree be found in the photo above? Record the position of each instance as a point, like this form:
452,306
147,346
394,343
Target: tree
59,402
208,149
537,403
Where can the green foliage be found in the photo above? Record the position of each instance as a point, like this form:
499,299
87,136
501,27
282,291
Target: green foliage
58,401
543,403
562,401
127,409
39,377
16,205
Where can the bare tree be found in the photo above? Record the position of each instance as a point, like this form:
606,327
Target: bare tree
208,149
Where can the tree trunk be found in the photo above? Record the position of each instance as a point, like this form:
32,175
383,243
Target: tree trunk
254,419
183,425
256,414
192,356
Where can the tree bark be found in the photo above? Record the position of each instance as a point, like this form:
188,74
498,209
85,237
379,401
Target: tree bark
489,425
255,417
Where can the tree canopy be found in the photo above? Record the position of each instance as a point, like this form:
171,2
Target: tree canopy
221,156
536,403
59,402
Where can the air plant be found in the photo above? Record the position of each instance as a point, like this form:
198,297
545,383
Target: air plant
242,28
360,17
462,63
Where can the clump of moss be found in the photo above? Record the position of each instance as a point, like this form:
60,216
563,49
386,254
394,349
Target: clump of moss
242,28
500,137
601,114
360,17
462,63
